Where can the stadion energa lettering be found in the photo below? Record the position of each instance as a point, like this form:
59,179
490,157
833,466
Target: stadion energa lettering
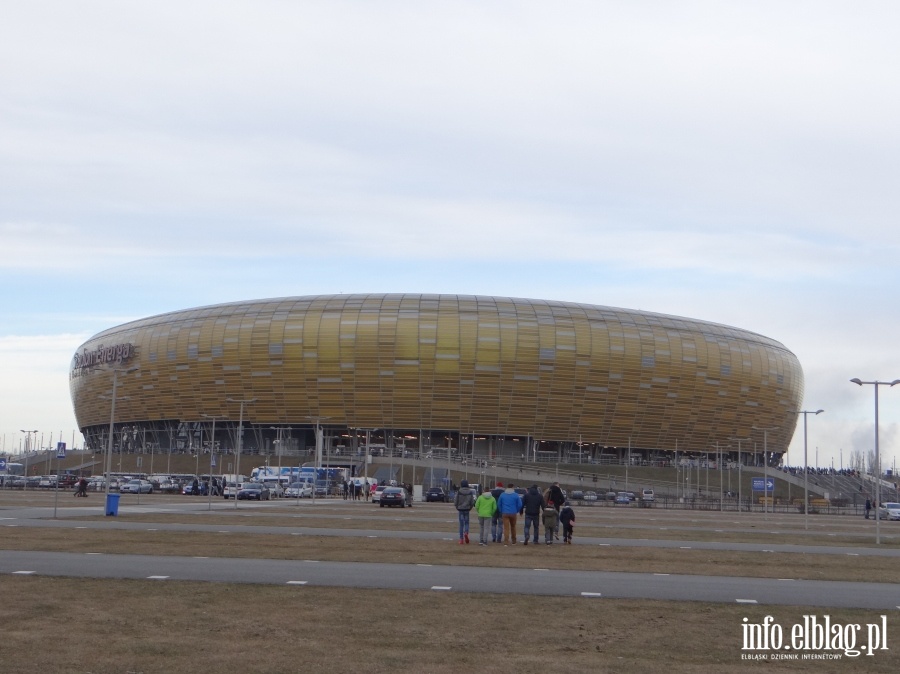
104,354
815,634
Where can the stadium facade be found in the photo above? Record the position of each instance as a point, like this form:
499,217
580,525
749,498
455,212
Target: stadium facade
484,376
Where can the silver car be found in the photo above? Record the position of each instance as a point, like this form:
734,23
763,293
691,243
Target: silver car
889,511
136,487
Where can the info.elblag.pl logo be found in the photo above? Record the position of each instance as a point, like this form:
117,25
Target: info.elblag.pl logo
813,639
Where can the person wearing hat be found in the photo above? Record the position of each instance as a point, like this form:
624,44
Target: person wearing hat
464,501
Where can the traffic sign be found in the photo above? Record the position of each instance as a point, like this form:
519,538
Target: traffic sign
60,450
3,465
763,484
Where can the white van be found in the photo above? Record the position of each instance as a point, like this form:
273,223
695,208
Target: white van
647,495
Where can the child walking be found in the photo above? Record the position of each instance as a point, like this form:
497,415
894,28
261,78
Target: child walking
567,517
551,522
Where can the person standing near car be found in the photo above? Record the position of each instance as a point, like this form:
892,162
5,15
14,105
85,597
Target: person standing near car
510,506
868,508
464,502
533,504
485,506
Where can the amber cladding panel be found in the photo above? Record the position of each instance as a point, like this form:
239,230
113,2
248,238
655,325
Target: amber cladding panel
496,366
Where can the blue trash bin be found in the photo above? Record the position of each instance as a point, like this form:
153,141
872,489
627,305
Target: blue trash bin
112,505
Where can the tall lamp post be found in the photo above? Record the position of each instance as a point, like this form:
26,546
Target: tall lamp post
740,468
212,452
876,384
765,432
112,419
28,443
317,421
240,441
806,414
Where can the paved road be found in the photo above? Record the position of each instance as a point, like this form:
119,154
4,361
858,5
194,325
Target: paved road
719,589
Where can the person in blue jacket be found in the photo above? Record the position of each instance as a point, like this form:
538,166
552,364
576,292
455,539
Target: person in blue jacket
510,506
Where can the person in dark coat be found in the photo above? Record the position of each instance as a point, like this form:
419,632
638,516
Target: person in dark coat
567,519
533,502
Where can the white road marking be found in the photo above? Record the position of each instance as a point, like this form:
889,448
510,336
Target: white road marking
81,527
661,574
157,577
152,529
23,573
785,579
746,601
223,531
15,525
685,547
591,594
311,561
441,587
423,564
371,536
201,557
297,582
768,551
93,553
605,544
542,569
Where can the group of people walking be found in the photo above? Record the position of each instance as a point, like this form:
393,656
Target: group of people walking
498,511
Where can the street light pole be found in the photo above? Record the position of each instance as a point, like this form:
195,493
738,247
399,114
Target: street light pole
28,444
112,419
240,442
876,384
806,414
740,469
766,470
318,461
212,450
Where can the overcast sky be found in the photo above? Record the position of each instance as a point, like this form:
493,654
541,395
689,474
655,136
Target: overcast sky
730,162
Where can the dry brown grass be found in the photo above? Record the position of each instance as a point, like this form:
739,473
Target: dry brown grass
99,626
103,626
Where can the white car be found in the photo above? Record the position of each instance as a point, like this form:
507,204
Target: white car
376,495
889,511
298,490
136,487
275,489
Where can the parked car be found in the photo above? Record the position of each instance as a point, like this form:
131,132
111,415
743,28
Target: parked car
889,511
67,480
376,495
253,491
47,481
611,495
298,490
136,487
590,496
275,490
623,498
577,495
188,489
648,495
436,494
395,496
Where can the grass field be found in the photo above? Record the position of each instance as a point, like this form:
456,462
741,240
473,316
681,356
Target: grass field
76,625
